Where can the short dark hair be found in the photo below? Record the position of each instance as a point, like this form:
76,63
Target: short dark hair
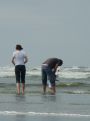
60,62
19,47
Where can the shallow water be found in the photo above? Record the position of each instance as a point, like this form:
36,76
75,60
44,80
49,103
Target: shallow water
71,102
45,107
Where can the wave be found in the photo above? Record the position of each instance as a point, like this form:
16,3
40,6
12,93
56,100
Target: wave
77,92
36,89
74,75
64,72
43,114
72,84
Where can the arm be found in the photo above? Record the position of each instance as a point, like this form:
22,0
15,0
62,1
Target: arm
55,68
13,62
26,59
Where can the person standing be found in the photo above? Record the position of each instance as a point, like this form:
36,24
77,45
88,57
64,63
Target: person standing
49,68
19,60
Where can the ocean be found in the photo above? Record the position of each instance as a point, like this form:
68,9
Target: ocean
71,102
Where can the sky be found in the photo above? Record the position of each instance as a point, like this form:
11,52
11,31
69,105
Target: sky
46,28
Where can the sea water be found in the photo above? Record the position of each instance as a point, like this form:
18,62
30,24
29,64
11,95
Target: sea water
71,102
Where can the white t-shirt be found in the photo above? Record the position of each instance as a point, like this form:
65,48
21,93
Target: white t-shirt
19,57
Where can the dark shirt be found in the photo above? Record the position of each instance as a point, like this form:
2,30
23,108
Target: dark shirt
51,62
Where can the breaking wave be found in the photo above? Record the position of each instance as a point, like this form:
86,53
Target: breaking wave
43,114
64,72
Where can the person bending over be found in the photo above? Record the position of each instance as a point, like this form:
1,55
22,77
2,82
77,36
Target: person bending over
49,68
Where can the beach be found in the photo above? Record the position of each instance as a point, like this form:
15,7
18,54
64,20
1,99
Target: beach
45,29
71,102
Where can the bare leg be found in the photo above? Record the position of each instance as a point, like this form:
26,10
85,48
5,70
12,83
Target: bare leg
53,90
23,88
18,88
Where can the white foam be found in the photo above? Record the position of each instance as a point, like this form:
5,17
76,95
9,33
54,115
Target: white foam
42,114
68,73
74,75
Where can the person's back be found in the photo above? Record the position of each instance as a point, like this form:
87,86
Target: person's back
19,57
51,62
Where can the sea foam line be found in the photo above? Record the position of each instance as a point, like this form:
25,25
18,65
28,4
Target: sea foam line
42,114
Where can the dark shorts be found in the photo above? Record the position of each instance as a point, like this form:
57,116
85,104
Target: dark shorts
20,72
48,74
